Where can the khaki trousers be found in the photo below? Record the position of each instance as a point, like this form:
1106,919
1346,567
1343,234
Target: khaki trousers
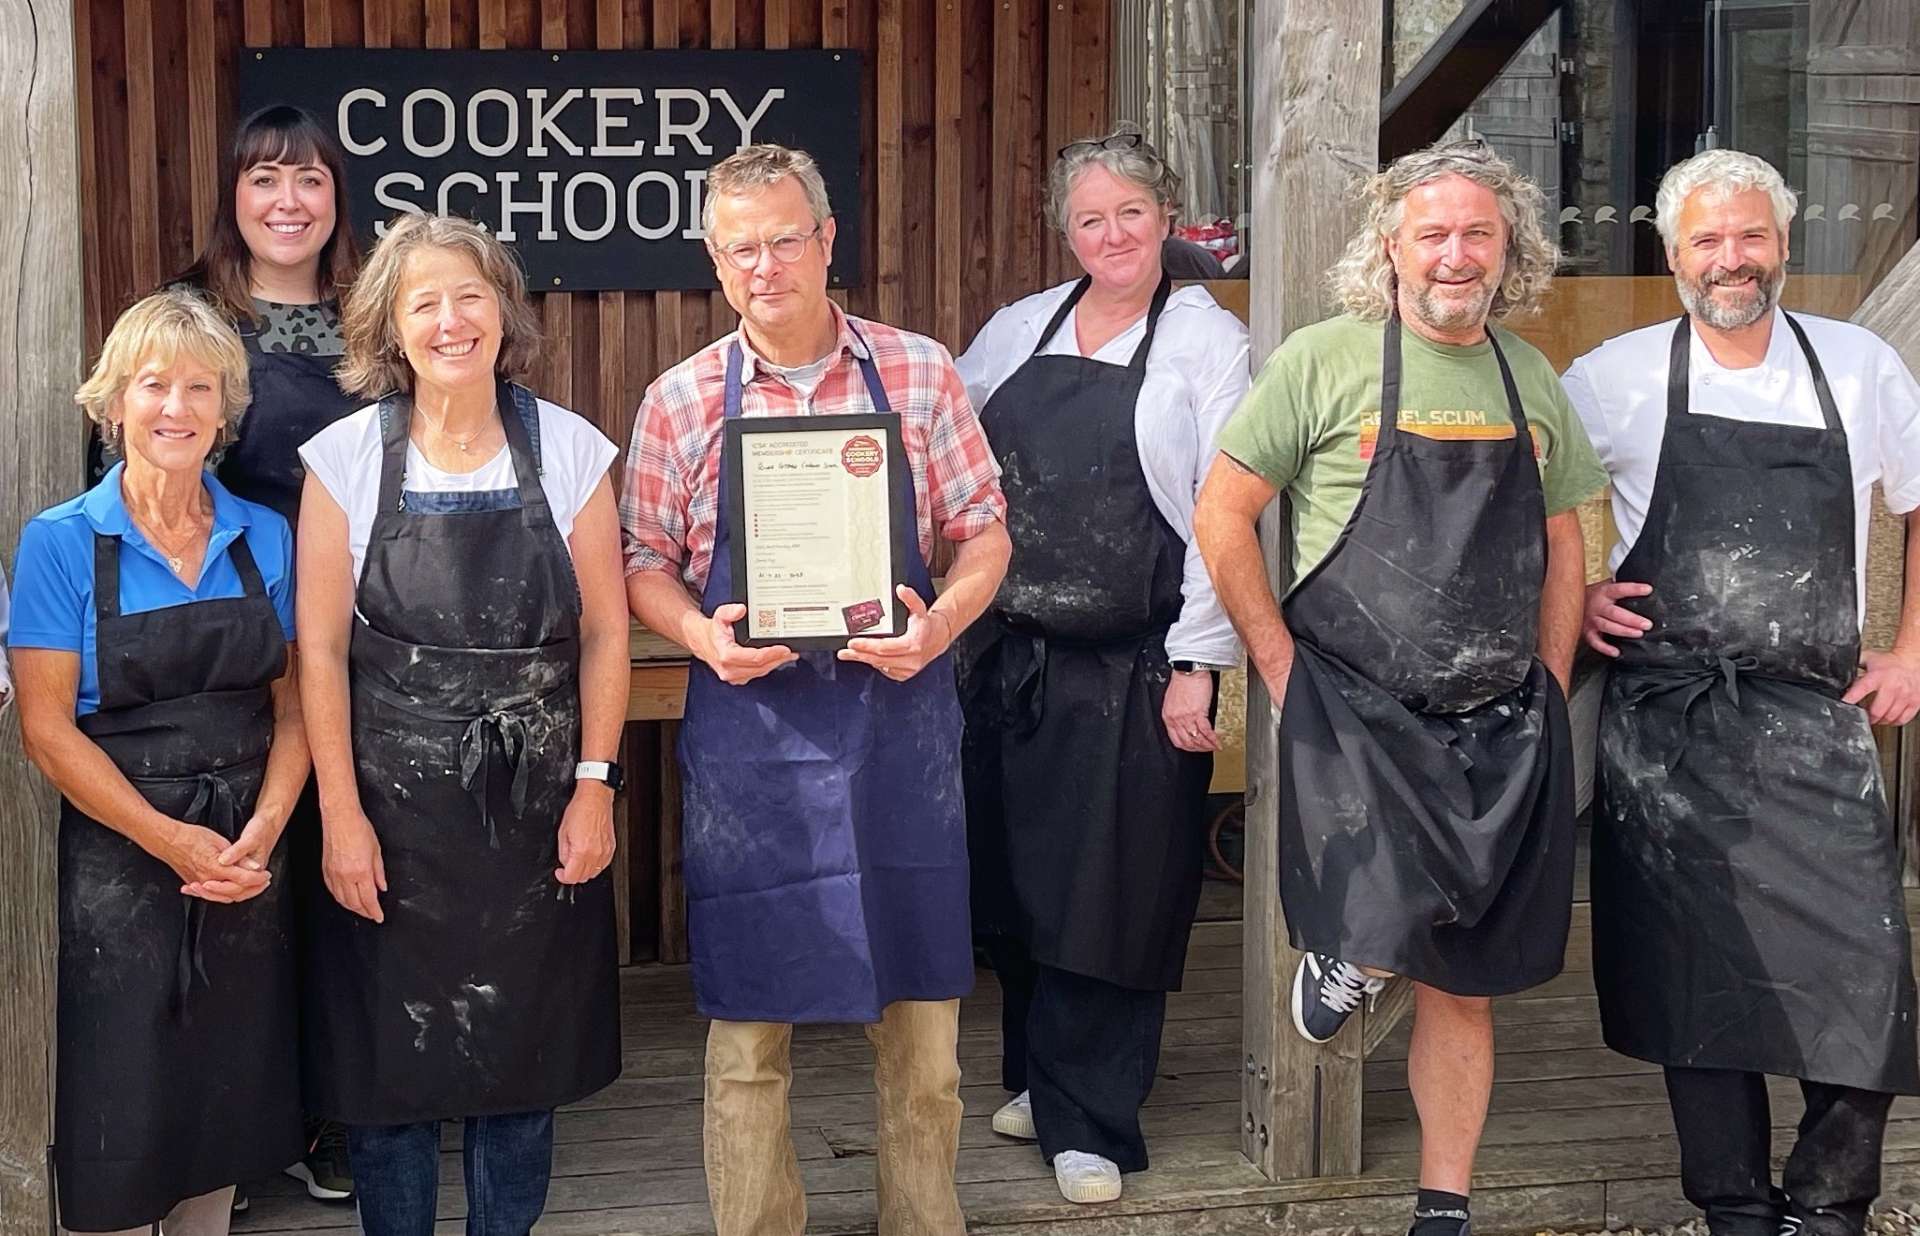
753,1175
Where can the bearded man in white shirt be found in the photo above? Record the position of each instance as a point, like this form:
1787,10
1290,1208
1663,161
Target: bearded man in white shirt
1747,911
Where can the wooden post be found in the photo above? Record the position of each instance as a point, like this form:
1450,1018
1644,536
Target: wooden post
1316,117
41,346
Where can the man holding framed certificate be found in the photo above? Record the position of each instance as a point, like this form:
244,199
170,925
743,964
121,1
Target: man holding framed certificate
783,491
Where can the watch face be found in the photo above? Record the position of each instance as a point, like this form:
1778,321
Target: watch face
615,778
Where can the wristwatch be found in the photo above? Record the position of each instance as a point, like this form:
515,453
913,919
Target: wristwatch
600,770
1187,667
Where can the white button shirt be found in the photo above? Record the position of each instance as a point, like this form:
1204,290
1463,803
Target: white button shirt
1195,378
1620,392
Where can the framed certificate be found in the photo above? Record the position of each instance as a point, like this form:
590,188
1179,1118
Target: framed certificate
816,550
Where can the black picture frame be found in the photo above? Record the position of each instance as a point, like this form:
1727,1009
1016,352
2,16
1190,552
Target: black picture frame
899,480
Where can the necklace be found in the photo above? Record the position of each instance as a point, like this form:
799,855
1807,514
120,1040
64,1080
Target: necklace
174,552
465,444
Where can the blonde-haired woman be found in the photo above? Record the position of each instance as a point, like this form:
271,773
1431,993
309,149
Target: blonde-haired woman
152,640
467,678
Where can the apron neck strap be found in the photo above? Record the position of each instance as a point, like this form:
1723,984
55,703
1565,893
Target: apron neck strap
106,577
518,409
106,572
1680,372
515,405
1390,372
1154,309
869,372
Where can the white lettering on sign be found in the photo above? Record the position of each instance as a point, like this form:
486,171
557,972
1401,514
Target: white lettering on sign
411,107
453,179
609,206
381,195
746,123
672,186
344,122
605,122
689,129
543,122
493,150
697,217
509,206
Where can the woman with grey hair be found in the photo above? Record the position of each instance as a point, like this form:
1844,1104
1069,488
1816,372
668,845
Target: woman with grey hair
153,639
467,675
1089,692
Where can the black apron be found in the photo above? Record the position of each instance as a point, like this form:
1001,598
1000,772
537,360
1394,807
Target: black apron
825,845
491,988
1426,771
295,396
178,1069
1747,909
1085,822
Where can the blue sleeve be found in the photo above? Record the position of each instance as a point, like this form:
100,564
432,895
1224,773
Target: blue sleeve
52,587
279,534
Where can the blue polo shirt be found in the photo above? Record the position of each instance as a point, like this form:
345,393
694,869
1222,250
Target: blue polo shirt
53,604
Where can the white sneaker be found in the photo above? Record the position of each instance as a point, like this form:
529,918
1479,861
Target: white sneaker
1016,1118
1086,1177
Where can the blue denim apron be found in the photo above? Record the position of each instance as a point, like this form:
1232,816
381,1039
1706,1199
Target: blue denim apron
825,838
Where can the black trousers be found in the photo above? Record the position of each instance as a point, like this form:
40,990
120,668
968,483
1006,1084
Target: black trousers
1086,1049
1725,1130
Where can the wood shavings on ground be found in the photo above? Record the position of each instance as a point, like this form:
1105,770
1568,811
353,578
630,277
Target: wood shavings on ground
1896,1221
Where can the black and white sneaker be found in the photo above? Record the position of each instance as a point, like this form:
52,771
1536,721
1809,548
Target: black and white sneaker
1327,991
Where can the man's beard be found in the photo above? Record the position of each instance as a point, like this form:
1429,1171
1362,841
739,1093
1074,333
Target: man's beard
1743,309
1455,312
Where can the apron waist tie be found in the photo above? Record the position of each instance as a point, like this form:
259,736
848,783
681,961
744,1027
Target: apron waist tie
1695,682
512,733
213,807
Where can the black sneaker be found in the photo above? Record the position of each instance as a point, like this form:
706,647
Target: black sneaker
326,1170
240,1202
1327,991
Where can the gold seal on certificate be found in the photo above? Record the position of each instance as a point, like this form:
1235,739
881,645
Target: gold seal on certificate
817,548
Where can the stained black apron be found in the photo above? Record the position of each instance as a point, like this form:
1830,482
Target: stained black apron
491,988
1426,770
1085,823
1747,910
295,396
825,846
178,1068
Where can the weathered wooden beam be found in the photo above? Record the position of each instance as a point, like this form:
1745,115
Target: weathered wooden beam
1316,109
1462,62
41,346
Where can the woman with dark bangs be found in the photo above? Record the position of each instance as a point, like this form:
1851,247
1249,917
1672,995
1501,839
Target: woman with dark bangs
278,259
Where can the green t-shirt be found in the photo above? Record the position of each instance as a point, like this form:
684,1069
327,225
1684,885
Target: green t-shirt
1308,425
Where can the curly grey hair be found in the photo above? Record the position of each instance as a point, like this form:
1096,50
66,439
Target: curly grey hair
1362,281
1722,173
1139,163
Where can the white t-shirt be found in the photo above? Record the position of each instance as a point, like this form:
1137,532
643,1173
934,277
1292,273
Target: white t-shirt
1620,392
345,457
1196,375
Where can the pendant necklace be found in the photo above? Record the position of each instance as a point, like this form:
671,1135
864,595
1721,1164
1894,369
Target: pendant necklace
176,555
465,444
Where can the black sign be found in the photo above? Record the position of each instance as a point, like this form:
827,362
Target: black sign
592,164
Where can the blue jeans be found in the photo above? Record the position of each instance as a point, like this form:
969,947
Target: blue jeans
506,1160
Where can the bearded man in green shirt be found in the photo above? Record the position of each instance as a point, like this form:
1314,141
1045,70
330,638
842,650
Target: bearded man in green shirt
1421,656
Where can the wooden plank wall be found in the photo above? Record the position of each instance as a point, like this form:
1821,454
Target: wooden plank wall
40,354
967,101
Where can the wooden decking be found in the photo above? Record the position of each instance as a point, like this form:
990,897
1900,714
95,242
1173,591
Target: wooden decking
1578,1138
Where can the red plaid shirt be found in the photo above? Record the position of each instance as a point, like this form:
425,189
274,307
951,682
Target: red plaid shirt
671,490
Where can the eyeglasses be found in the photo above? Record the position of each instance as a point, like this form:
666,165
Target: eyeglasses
1119,141
788,249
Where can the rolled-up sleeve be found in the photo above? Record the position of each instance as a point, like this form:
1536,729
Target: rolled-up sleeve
654,497
963,478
